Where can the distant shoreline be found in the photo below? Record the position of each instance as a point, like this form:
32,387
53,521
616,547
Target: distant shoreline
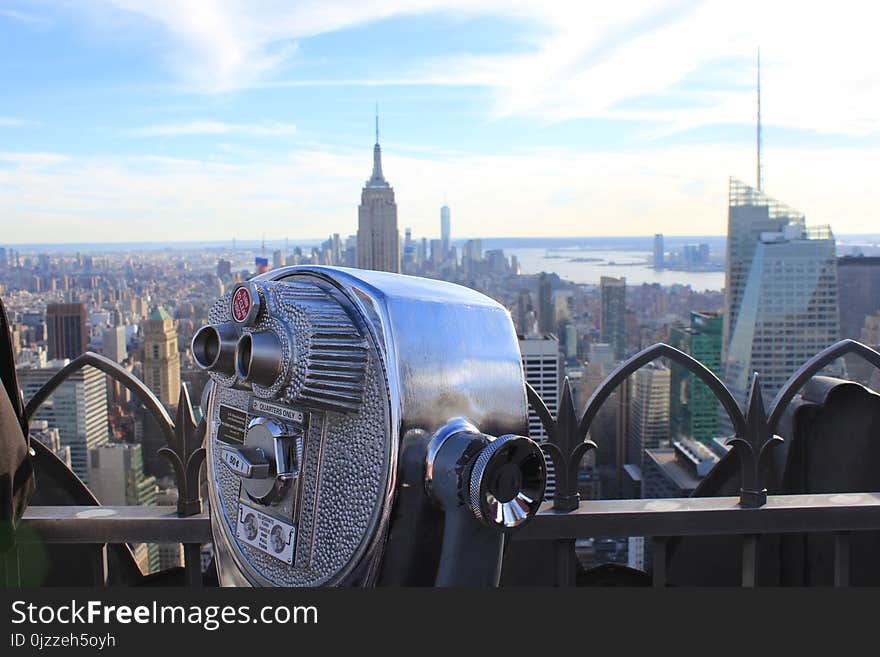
636,243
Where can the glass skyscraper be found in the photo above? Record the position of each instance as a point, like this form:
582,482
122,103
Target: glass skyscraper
693,409
612,321
445,230
781,303
78,409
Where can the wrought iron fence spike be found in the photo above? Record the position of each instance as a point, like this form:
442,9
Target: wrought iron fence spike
186,457
566,420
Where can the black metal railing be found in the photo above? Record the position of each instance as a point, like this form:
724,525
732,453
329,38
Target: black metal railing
751,515
101,526
189,525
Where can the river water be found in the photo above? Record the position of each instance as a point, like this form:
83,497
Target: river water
636,266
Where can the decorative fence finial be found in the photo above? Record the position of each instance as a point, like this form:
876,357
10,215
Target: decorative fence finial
565,444
184,439
752,448
187,455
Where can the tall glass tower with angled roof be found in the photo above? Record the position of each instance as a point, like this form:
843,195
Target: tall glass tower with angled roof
781,303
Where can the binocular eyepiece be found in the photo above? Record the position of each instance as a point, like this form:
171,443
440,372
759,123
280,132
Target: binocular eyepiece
253,357
258,358
213,348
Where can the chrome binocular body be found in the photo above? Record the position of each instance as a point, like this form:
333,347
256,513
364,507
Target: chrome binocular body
364,428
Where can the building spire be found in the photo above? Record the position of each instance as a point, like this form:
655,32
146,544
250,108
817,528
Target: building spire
759,163
377,179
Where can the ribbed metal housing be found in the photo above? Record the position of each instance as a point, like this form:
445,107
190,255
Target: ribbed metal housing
332,354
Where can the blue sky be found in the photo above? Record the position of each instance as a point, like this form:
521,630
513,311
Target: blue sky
127,120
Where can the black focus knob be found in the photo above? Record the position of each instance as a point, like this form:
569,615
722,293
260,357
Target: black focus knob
507,482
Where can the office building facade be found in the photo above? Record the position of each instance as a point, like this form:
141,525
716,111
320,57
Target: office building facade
161,358
116,477
546,323
612,320
659,259
114,343
542,368
781,305
78,409
66,328
693,408
648,411
858,281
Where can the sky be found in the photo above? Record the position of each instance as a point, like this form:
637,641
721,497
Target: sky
181,120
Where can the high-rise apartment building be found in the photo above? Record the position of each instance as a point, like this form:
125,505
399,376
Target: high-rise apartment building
114,343
78,409
161,358
66,325
871,331
693,409
610,427
437,254
445,230
648,411
525,314
471,255
658,251
612,321
546,323
781,297
116,477
277,259
648,431
542,368
858,281
378,239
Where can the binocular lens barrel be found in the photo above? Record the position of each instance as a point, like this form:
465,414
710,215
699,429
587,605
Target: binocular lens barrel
258,358
213,348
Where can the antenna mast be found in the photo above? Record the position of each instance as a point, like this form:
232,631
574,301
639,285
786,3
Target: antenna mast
760,163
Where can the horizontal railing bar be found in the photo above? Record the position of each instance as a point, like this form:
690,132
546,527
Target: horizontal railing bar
691,516
112,524
652,517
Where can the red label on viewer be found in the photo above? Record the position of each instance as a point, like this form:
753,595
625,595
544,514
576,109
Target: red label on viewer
241,304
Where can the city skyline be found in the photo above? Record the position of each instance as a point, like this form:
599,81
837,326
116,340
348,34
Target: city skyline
135,119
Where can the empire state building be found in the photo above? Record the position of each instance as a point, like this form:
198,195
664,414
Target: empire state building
378,240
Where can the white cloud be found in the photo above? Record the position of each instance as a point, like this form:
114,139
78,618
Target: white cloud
33,159
12,122
822,63
23,16
313,192
208,127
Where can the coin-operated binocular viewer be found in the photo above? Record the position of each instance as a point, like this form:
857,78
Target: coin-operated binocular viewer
364,428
